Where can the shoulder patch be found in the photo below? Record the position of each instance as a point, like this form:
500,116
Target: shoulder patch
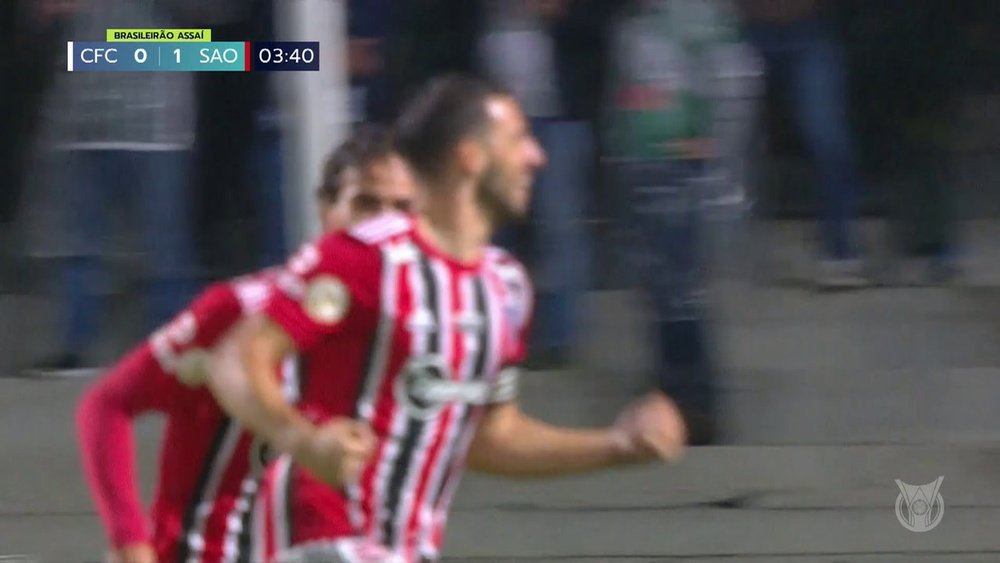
381,228
519,301
326,300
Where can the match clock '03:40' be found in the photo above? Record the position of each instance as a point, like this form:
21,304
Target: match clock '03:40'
285,55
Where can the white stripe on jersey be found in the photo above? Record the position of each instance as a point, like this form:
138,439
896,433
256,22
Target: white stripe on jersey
431,428
234,521
250,484
471,346
383,342
418,347
196,537
380,357
279,504
258,541
461,445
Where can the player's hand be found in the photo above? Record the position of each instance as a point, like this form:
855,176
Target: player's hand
651,428
133,553
338,451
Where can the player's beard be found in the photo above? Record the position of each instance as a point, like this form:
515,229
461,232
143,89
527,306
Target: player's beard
490,194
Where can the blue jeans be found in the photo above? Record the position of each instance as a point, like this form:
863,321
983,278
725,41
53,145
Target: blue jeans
663,217
562,243
809,58
154,187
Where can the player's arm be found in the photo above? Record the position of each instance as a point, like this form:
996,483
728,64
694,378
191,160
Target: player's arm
307,307
510,443
104,425
242,376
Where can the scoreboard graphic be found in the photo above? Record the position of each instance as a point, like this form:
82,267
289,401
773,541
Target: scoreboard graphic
187,50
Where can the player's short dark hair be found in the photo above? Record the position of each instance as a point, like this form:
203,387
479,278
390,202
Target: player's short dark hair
367,144
445,111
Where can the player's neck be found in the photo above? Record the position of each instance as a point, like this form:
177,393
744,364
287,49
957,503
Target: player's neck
456,225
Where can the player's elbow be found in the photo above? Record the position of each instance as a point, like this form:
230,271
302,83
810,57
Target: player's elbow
86,407
94,408
242,358
261,347
97,398
495,441
225,361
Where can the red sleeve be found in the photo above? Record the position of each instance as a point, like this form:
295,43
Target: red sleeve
322,286
215,311
104,425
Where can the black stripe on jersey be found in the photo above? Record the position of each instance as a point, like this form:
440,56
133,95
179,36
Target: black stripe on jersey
380,345
289,515
184,549
246,523
301,376
479,367
484,332
366,372
414,427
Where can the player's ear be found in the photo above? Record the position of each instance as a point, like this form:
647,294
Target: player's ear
470,154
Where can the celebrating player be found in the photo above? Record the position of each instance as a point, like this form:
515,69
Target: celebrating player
208,465
411,329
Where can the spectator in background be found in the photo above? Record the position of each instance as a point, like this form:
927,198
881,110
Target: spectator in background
916,106
237,164
549,53
424,38
661,125
802,52
29,37
267,158
368,26
125,138
267,175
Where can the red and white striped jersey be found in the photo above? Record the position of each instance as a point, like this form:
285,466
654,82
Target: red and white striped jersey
394,332
209,466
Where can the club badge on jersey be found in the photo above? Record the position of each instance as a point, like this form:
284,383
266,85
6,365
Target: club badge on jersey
327,300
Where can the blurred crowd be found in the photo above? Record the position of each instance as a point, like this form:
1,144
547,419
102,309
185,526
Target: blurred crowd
652,112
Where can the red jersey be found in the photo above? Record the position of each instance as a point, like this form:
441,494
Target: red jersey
207,477
394,332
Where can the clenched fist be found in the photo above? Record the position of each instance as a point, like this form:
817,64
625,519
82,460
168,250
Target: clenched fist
337,451
651,428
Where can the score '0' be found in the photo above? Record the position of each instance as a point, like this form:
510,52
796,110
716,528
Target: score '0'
140,56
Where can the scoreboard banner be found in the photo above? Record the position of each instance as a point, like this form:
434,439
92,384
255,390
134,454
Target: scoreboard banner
187,50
